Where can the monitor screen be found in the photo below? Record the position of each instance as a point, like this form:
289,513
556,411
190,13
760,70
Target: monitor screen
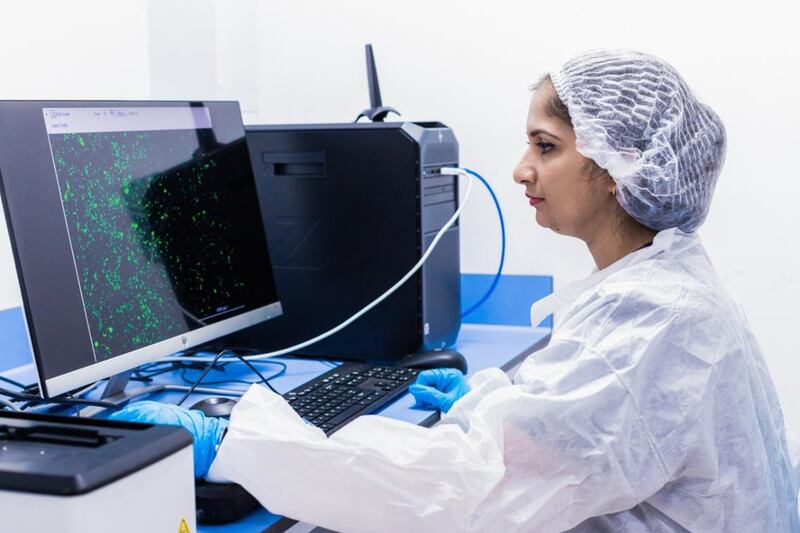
136,231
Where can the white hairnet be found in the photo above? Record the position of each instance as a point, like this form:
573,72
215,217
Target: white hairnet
635,116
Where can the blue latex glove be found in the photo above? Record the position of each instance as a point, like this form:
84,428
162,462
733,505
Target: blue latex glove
439,388
206,431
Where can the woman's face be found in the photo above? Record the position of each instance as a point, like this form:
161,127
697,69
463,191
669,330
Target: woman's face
570,194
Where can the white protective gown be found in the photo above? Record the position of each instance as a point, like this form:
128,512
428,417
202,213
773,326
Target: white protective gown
650,410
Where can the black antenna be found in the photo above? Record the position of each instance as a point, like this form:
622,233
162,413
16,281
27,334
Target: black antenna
372,79
376,112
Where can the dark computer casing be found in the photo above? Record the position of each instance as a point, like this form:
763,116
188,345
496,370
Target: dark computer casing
348,210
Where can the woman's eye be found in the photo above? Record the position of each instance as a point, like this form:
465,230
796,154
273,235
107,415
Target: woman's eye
545,147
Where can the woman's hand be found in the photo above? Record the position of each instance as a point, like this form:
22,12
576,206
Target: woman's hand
206,431
439,388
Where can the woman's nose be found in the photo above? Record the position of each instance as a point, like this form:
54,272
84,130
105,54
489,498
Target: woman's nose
524,172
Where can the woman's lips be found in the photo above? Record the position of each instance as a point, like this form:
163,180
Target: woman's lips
534,200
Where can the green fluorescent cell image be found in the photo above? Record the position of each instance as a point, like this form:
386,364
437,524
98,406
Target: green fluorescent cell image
151,231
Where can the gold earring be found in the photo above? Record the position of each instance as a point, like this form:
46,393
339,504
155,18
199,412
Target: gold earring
614,191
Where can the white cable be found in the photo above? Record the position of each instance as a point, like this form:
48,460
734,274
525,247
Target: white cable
446,171
8,404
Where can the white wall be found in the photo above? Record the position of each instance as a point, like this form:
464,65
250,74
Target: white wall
467,64
69,50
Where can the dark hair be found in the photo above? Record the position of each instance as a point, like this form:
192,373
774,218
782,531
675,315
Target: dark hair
555,107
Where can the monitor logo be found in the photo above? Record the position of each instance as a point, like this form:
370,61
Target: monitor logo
184,340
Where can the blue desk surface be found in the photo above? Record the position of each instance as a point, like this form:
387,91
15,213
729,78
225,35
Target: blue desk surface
486,344
483,345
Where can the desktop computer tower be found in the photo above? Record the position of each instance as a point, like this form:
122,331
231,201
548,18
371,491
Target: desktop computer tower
348,210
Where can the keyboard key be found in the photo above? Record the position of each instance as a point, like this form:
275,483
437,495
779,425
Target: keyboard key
336,397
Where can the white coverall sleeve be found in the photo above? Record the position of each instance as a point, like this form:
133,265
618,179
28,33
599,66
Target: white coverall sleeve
480,385
542,455
375,474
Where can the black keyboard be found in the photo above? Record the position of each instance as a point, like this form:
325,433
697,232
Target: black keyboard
343,393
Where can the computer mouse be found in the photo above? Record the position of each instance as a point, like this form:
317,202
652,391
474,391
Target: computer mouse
444,358
218,406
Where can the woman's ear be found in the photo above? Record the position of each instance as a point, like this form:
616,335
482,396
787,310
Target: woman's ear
596,172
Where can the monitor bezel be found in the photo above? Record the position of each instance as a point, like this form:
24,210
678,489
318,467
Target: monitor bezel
87,375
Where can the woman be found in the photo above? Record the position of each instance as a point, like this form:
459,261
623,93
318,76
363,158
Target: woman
650,410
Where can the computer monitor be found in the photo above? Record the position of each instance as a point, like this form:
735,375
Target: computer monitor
136,232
